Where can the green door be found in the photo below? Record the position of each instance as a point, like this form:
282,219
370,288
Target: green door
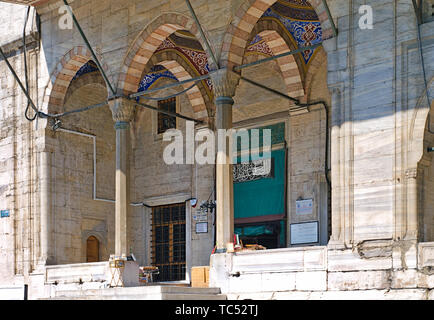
259,194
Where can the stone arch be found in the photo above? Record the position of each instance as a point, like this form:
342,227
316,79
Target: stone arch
314,65
245,19
418,127
102,239
147,43
62,75
417,163
279,42
86,79
199,97
93,249
425,170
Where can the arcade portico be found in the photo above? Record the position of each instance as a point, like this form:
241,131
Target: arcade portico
346,210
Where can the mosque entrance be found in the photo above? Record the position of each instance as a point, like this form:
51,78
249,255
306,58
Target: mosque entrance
260,191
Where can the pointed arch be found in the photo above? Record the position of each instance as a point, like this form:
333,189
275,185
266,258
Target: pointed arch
317,61
418,126
62,75
279,42
147,43
245,19
199,97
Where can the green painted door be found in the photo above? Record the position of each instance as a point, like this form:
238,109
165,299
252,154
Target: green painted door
259,194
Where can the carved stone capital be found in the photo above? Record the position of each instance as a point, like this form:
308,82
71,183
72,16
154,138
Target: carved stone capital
411,173
122,110
224,83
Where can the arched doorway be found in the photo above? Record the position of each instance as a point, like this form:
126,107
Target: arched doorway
92,249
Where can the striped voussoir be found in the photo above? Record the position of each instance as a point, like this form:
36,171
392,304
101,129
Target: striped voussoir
172,61
146,44
62,76
238,33
279,42
86,79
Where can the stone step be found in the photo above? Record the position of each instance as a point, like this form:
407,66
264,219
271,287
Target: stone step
144,297
142,293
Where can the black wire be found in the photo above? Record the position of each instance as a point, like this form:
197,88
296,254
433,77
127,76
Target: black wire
171,96
326,161
25,67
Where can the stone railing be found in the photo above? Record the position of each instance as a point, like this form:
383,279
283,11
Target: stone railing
377,269
77,273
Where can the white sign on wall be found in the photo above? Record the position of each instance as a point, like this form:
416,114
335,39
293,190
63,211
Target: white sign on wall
202,227
200,215
304,207
304,233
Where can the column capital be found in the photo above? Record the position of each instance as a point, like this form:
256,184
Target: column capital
122,110
224,83
411,173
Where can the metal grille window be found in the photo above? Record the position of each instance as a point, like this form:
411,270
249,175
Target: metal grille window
166,122
168,242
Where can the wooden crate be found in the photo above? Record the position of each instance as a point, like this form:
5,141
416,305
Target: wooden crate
200,277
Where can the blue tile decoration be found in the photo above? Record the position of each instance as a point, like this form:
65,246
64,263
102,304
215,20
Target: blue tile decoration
88,67
157,72
301,22
304,33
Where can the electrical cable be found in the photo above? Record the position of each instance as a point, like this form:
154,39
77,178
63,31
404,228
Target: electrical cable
59,115
171,96
326,164
26,68
174,114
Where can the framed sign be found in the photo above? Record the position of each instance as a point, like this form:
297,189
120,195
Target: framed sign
4,213
200,216
304,207
202,227
305,233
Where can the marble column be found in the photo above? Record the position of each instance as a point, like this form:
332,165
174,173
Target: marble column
122,110
337,161
225,83
412,205
46,255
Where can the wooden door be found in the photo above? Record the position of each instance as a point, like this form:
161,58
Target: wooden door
92,249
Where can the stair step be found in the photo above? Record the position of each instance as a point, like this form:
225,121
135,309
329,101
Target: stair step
145,297
142,293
